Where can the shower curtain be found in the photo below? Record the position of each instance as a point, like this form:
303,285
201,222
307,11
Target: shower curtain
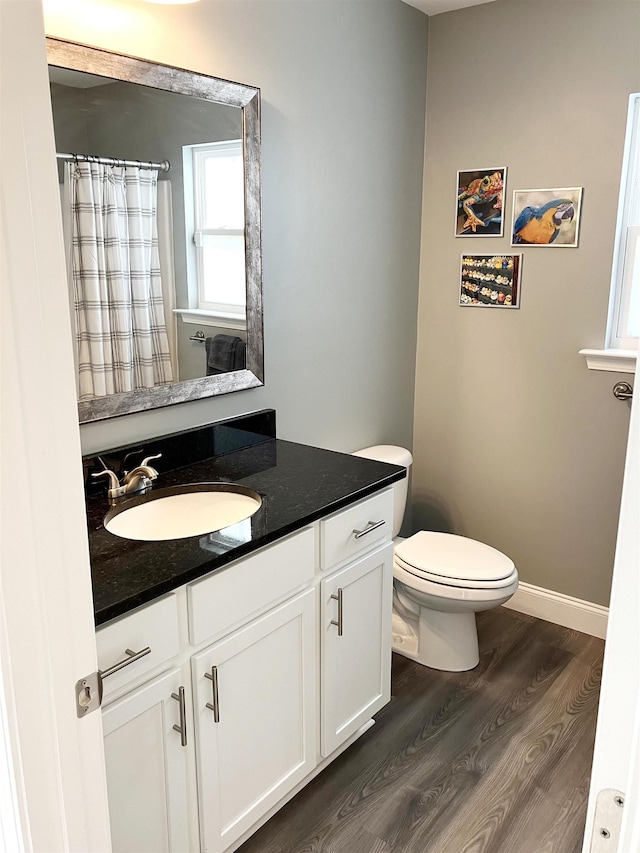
120,323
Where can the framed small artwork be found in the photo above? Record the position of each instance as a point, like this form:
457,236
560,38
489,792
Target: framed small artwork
479,202
549,217
490,281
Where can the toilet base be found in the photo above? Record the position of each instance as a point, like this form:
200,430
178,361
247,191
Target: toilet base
443,641
448,641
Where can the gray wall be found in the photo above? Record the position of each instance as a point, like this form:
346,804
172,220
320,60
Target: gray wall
516,442
343,129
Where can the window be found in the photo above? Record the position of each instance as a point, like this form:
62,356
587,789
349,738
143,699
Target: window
624,315
623,326
214,215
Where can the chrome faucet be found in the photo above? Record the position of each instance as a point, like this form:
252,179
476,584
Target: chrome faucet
138,480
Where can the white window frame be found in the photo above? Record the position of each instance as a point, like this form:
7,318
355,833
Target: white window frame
627,235
620,353
227,315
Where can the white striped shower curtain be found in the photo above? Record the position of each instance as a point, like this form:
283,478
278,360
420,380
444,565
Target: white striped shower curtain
120,323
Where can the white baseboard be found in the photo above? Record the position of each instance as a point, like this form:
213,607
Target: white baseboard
560,609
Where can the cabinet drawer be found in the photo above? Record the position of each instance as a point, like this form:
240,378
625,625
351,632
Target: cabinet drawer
155,626
353,531
244,589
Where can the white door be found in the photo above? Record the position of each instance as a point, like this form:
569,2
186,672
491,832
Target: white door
616,762
147,768
255,701
47,637
356,645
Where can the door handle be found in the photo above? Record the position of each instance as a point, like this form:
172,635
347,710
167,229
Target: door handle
213,677
132,657
182,728
339,599
371,526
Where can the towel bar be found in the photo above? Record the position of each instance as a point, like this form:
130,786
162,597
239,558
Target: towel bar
622,391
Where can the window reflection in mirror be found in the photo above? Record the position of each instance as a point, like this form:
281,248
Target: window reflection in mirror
214,217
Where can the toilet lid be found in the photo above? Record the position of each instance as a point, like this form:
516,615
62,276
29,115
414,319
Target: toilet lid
455,560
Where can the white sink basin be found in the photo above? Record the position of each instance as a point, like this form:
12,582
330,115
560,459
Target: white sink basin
182,511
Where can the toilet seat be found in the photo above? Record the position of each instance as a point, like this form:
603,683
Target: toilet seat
452,598
454,561
441,581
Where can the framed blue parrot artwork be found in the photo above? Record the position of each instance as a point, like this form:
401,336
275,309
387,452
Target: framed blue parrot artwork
479,208
490,281
548,217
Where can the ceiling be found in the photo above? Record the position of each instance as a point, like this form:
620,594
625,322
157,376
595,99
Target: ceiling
434,7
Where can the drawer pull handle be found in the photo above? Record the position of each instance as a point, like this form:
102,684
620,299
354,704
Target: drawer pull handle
213,677
338,598
371,525
132,657
182,728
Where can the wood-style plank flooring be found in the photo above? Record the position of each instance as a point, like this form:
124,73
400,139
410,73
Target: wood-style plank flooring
496,760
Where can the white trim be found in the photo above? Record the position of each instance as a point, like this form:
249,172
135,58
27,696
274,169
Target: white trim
616,762
560,609
630,829
48,636
13,821
616,360
201,317
194,159
628,211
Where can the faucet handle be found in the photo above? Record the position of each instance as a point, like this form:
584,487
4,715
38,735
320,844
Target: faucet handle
152,473
150,459
114,483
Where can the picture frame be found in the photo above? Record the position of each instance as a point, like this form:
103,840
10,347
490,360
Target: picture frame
548,218
490,281
479,202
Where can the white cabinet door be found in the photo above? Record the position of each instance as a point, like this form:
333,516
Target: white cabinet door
147,770
356,653
255,716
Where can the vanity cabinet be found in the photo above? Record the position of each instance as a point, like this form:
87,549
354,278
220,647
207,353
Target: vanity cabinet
356,646
355,595
147,769
146,758
255,718
283,657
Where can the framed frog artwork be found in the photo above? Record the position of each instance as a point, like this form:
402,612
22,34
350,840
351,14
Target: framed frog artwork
480,193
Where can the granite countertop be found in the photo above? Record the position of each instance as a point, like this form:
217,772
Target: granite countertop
298,485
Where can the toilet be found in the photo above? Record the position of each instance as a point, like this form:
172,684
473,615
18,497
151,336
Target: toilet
440,582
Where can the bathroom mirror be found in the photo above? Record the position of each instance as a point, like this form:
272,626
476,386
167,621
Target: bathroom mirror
177,316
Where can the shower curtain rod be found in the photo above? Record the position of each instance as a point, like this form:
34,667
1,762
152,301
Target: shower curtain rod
115,161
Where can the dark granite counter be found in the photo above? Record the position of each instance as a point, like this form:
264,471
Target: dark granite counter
298,485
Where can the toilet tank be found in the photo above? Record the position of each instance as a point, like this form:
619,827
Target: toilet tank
395,456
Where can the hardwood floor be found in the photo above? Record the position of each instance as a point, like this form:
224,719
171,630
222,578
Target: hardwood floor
496,760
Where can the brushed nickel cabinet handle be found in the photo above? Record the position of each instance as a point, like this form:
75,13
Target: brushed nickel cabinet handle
371,525
213,677
132,657
182,728
338,598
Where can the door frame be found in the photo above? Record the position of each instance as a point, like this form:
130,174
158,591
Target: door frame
616,760
47,642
